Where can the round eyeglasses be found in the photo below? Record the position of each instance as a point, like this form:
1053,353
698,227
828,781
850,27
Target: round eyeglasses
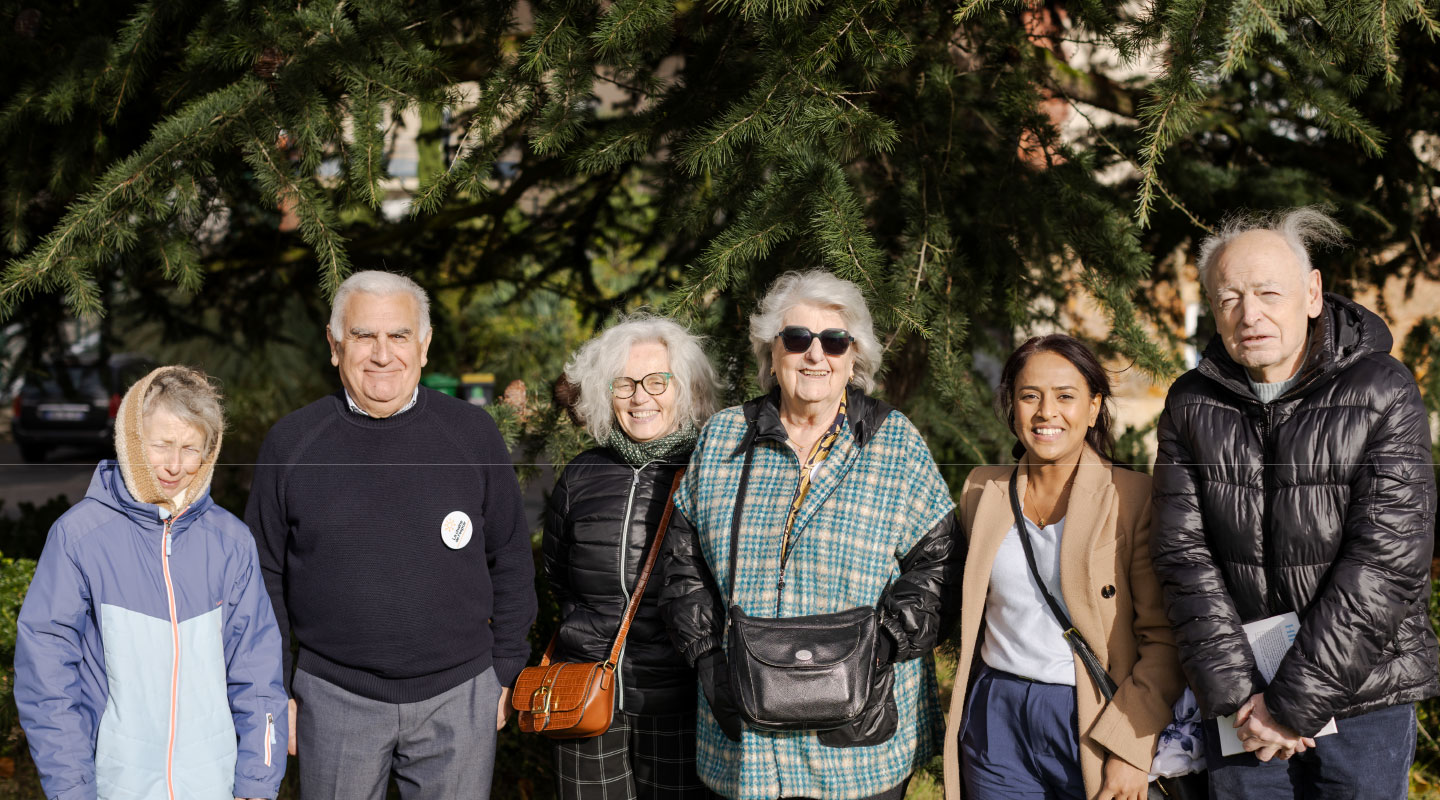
654,384
797,339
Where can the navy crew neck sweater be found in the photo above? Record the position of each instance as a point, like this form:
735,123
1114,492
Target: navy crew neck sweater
352,516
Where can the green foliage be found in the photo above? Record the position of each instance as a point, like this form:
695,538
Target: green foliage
579,157
1421,353
205,174
1131,449
1427,713
15,575
23,535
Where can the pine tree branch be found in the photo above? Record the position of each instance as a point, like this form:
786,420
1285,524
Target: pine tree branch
1163,121
1242,33
193,132
1159,185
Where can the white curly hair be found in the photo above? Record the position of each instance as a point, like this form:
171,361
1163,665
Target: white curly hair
822,289
602,359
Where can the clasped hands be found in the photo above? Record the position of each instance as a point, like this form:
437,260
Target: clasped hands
1262,735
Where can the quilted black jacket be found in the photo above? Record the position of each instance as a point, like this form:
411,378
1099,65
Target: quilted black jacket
599,523
1322,503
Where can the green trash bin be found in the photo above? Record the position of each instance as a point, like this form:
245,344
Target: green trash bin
441,382
478,388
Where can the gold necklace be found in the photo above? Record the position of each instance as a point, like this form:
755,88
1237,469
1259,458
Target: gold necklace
1029,492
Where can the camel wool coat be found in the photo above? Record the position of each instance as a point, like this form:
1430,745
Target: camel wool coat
1113,598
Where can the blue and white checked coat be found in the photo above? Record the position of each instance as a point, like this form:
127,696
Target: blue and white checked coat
868,507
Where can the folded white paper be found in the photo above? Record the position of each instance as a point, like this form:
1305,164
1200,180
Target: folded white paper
1269,639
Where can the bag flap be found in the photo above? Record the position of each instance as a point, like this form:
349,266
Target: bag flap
818,641
566,685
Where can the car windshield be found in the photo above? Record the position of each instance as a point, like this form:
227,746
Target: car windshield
86,381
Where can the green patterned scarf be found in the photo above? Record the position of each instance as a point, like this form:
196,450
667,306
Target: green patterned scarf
638,453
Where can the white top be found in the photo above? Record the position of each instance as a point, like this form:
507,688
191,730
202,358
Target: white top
1022,636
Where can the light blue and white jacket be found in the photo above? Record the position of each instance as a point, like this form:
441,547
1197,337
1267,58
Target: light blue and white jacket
147,661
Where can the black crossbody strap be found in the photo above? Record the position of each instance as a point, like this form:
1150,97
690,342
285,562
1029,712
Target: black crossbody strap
735,523
1077,643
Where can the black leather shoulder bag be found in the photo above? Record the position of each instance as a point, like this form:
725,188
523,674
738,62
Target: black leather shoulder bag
810,673
1183,787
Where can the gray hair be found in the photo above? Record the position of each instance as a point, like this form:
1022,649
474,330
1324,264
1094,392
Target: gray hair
603,358
378,283
190,395
1300,228
822,289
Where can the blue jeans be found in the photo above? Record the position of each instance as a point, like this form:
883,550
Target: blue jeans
1368,758
1020,739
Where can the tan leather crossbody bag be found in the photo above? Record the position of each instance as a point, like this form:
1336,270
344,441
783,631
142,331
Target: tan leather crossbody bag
566,700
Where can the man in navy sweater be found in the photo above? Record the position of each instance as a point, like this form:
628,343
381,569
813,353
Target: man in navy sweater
394,548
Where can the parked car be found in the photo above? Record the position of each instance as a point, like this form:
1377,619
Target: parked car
72,404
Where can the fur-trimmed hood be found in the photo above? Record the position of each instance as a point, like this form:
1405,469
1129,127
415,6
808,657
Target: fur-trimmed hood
135,467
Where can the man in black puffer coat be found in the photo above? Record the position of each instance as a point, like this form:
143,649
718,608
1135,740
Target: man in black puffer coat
1294,474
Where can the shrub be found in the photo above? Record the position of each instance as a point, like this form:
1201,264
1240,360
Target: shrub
24,535
15,574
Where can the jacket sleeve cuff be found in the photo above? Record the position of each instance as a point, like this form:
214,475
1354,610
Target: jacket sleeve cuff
80,791
508,669
248,788
1290,716
1129,735
698,648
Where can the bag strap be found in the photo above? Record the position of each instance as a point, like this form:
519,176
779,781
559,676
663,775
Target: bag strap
650,558
1077,643
735,521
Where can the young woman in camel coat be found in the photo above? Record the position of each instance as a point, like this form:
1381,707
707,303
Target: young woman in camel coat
1053,393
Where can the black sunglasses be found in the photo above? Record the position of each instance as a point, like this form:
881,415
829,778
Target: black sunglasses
834,341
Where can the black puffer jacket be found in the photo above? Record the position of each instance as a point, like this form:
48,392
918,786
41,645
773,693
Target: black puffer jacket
1322,503
599,523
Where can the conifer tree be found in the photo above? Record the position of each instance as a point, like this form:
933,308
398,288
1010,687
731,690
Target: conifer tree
217,168
152,146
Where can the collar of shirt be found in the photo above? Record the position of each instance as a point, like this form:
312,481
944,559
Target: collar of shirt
350,401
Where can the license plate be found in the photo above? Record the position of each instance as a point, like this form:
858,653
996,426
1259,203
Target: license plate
63,412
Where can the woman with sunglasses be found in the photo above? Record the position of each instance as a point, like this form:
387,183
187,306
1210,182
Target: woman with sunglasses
1065,532
641,389
833,503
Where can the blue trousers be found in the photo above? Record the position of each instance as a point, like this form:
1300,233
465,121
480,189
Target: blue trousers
1368,758
1021,739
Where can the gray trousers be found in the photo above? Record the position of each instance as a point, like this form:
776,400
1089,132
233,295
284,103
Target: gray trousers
439,749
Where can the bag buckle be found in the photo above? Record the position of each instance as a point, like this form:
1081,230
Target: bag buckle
540,697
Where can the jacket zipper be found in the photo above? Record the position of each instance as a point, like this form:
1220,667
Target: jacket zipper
165,552
269,736
624,589
1267,486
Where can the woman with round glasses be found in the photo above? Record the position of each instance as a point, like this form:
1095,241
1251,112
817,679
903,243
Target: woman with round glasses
641,389
833,503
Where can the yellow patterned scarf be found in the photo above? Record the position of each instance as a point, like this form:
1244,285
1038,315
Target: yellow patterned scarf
818,454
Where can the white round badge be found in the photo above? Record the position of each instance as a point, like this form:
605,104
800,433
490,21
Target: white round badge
456,530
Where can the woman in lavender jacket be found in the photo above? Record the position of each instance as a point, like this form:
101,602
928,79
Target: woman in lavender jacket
147,661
